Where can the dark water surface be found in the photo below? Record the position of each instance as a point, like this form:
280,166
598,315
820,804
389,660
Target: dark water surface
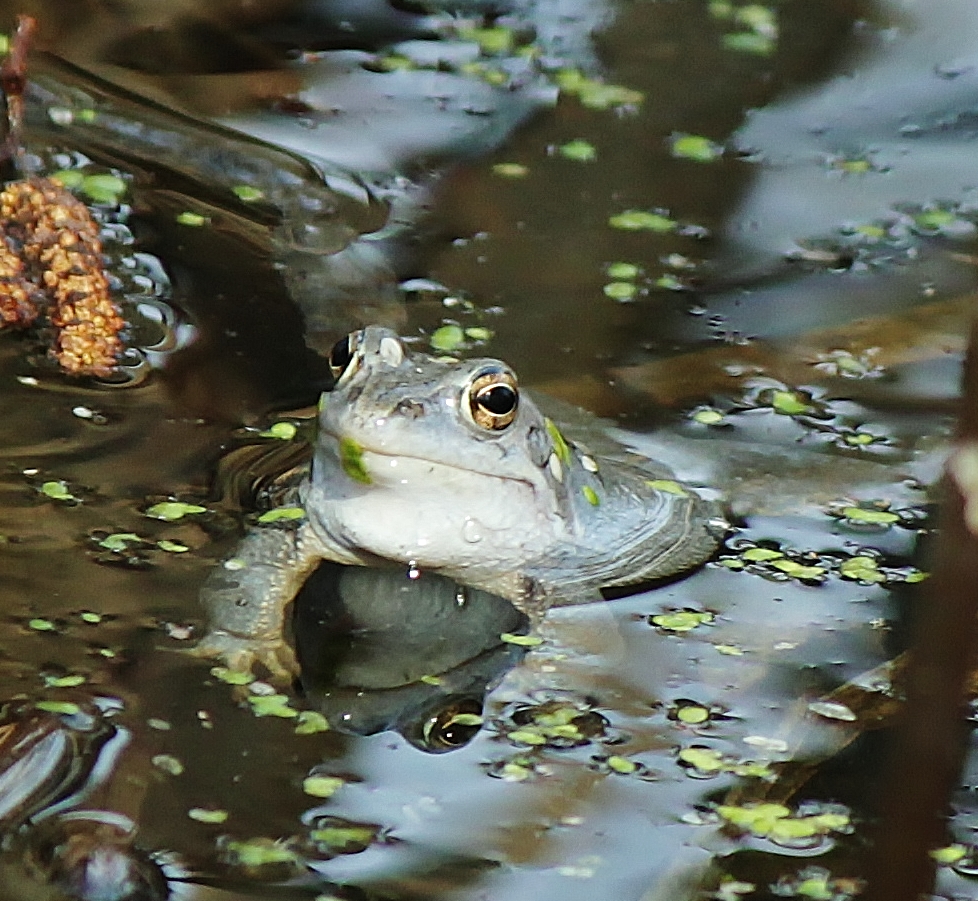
790,333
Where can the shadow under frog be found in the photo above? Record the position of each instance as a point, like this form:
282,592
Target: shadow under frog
443,466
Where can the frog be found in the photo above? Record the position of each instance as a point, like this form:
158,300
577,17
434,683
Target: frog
447,466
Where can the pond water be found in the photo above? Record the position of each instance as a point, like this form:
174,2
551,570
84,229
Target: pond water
742,234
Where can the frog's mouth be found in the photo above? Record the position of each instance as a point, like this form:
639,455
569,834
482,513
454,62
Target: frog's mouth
359,462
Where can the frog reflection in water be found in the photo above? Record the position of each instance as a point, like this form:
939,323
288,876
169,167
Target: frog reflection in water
447,467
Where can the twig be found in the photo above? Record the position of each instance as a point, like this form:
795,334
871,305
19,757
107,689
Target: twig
13,80
932,738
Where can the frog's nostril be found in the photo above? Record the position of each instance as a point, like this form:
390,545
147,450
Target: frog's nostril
411,409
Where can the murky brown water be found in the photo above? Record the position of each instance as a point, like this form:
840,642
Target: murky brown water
792,334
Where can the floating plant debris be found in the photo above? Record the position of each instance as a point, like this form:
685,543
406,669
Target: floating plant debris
51,268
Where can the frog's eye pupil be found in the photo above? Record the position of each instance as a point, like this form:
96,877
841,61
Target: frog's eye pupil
498,400
342,354
494,400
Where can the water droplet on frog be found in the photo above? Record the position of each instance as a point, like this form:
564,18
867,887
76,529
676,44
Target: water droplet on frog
413,571
471,531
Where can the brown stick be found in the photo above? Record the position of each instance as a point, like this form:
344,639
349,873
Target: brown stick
932,739
13,81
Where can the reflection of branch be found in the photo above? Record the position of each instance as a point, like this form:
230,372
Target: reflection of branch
932,739
13,79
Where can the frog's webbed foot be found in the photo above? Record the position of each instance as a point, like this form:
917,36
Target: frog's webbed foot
240,653
245,598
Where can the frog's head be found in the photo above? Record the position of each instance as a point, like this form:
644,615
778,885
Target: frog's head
396,418
435,453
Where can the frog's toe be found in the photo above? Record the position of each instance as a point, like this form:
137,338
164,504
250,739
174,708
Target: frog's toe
239,654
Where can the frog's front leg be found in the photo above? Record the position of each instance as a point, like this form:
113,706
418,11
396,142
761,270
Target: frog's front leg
245,598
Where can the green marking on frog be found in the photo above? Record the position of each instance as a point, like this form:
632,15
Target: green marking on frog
351,459
561,448
670,486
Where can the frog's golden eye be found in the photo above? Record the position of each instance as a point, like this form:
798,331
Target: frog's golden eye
494,398
344,354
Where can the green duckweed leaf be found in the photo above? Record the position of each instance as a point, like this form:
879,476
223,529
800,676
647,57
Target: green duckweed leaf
172,547
311,722
282,514
708,416
119,541
283,431
622,764
642,220
322,786
525,641
57,491
511,170
248,194
260,852
696,148
682,620
447,338
173,510
579,150
193,220
103,187
63,708
622,271
620,291
272,705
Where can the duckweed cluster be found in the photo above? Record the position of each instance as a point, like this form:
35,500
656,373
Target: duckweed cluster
554,729
750,28
773,561
781,825
816,416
